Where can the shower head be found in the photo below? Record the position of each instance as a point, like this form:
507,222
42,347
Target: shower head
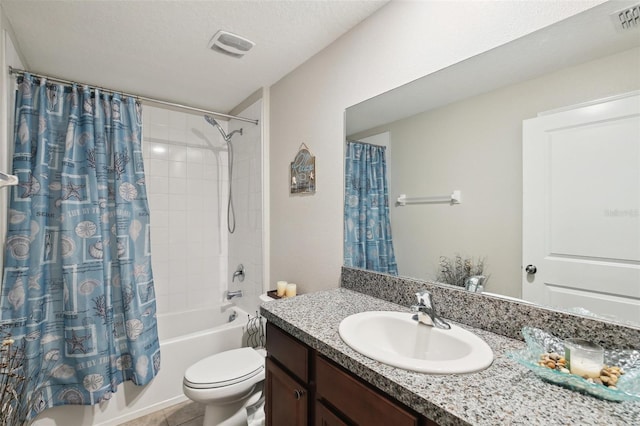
211,120
215,124
231,214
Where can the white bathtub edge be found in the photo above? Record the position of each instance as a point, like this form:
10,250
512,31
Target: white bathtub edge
143,412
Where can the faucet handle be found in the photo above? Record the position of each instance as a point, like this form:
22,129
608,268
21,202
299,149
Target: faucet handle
424,298
238,273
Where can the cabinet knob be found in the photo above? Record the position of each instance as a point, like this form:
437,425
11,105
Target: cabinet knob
298,393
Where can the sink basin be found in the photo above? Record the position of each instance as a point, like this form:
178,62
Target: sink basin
395,339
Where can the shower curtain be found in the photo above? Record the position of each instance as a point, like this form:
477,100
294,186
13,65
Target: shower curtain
367,229
77,285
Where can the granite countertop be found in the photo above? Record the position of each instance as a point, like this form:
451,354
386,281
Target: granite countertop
504,393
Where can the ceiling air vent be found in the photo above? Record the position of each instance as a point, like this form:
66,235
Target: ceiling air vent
230,44
627,19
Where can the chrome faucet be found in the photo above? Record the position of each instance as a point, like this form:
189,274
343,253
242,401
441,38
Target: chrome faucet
232,294
426,311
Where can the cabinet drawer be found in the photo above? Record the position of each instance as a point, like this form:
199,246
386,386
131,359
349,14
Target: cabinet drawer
356,401
288,351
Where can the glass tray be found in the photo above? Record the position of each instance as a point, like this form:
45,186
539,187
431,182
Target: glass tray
540,342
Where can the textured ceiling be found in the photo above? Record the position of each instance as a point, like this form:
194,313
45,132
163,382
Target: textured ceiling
159,48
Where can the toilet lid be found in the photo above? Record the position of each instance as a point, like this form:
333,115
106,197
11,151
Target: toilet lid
224,369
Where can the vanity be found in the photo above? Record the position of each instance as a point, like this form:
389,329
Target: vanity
315,378
305,387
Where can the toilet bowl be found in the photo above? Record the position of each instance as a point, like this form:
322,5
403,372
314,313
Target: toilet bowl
225,382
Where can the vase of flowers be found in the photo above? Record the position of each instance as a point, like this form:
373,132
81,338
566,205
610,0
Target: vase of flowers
457,270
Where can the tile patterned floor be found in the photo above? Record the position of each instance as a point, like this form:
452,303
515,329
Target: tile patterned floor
185,414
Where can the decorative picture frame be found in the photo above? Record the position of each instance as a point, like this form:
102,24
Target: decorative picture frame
302,176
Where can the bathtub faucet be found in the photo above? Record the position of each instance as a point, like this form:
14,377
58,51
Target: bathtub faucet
232,294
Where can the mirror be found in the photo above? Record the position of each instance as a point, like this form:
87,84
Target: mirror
461,129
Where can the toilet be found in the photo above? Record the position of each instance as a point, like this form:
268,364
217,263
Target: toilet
225,383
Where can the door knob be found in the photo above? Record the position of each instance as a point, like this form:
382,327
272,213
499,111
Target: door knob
531,269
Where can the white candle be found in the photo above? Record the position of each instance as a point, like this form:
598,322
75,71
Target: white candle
585,367
281,288
585,358
291,290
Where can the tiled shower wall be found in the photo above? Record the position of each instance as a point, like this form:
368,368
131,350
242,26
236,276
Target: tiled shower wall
186,173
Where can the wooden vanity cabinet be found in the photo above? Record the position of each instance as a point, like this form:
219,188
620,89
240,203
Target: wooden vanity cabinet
305,388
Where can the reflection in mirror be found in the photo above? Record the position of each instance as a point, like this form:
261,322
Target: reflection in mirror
462,129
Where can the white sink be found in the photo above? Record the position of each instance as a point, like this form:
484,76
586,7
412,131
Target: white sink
394,338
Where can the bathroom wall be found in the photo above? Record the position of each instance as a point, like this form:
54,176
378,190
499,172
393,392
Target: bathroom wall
401,42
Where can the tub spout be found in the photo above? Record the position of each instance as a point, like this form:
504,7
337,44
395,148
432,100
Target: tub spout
232,294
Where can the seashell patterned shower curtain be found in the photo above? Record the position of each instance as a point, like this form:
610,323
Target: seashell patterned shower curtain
367,228
77,283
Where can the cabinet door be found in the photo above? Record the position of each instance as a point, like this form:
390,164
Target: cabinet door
357,401
286,399
325,417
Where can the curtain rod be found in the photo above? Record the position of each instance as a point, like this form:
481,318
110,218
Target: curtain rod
13,70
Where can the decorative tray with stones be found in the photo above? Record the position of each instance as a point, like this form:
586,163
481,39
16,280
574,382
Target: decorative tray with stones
541,343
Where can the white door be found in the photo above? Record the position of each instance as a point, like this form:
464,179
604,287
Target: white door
581,208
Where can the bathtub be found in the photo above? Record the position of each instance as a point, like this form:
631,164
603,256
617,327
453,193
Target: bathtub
185,338
189,324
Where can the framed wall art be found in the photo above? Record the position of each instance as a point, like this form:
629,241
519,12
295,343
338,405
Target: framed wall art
302,178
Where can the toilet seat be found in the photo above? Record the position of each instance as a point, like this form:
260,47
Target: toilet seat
224,369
